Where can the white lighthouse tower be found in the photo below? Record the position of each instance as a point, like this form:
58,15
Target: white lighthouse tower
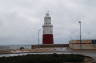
47,30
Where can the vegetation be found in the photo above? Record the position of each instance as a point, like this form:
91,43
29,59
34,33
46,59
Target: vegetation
43,58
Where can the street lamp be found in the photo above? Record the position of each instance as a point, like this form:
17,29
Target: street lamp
39,37
80,33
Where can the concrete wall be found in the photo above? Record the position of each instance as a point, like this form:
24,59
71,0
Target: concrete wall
85,44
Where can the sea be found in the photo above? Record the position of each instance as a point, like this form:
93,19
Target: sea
26,46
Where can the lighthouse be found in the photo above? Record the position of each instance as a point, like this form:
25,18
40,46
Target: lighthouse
47,30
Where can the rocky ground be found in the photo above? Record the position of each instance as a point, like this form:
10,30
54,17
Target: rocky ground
48,58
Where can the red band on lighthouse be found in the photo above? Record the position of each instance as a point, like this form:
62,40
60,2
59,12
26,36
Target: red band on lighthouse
47,39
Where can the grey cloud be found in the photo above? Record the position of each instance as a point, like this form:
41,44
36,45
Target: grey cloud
21,19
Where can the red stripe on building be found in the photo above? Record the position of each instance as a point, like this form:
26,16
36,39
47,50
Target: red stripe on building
48,39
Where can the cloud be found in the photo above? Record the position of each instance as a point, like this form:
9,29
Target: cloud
20,20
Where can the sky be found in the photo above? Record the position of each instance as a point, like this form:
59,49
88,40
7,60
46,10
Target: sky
20,20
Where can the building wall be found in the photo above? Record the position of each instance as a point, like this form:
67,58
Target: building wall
48,29
50,46
84,44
